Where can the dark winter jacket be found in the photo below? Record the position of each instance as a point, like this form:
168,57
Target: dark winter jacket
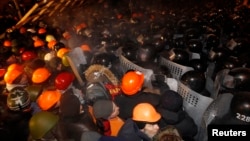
181,120
131,132
14,125
127,103
72,123
74,127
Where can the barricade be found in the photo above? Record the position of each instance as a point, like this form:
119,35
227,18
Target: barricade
176,70
194,103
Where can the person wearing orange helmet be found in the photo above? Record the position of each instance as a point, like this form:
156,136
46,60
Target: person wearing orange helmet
132,93
48,100
143,125
41,76
31,65
15,76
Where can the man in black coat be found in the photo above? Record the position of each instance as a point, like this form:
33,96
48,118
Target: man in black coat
132,94
171,109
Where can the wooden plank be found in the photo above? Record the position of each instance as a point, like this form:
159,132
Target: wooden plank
56,7
24,18
43,10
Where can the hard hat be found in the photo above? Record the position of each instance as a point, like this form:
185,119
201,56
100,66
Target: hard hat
28,55
48,98
42,30
10,76
49,56
132,82
63,80
145,112
49,38
40,75
65,61
62,51
7,43
85,47
18,99
34,91
41,123
39,43
51,44
15,66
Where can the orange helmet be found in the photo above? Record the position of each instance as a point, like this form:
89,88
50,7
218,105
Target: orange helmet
48,98
145,112
40,75
51,44
11,75
42,31
62,51
7,43
66,35
15,66
132,82
85,47
38,43
80,26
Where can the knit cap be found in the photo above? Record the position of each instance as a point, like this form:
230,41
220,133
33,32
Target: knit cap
103,108
90,136
171,100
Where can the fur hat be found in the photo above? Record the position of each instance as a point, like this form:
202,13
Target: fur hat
168,132
90,136
103,108
171,100
69,105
